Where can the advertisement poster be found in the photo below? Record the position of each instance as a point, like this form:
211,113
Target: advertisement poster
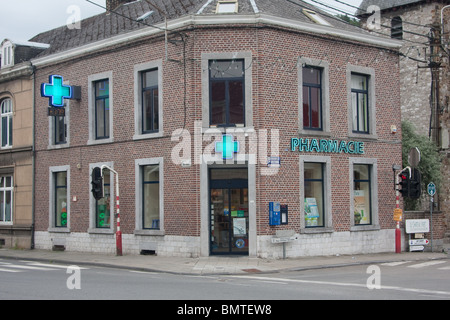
239,227
311,212
360,207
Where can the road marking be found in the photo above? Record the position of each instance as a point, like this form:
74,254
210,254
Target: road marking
426,264
29,267
394,264
8,270
52,265
444,268
346,284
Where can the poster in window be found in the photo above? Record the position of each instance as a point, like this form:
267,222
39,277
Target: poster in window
361,211
311,212
239,227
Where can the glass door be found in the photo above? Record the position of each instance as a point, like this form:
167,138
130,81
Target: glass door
229,212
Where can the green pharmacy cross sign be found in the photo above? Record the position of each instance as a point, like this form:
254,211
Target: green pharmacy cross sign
56,91
228,147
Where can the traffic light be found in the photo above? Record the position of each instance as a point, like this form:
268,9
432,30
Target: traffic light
97,183
415,189
404,183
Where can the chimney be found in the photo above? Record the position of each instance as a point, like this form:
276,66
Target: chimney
112,5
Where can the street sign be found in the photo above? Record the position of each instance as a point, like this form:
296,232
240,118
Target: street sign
418,242
417,225
416,248
414,157
431,188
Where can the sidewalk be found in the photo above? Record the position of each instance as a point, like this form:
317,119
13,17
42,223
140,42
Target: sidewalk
214,264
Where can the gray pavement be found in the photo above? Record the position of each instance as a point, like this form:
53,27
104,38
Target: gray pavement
213,264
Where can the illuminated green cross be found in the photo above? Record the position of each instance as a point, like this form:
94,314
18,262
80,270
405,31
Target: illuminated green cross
227,146
56,91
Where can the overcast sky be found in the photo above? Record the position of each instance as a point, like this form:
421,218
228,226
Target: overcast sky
20,20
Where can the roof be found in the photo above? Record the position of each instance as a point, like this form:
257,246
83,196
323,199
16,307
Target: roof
385,4
123,19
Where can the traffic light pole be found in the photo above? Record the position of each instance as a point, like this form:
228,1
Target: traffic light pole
118,232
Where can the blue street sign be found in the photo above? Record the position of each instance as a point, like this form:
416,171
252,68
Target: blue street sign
431,189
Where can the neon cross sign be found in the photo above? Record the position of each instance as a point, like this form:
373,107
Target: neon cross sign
56,91
228,147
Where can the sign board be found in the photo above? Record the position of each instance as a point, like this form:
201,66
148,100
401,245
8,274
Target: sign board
417,225
273,162
398,214
431,188
414,157
416,248
418,242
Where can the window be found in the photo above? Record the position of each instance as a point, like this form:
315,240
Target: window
314,194
313,16
103,206
61,201
102,109
7,55
150,197
227,96
7,122
397,28
312,98
362,194
360,103
60,127
6,199
150,101
227,6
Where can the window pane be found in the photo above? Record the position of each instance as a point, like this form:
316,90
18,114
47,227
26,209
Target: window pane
362,112
306,107
236,93
103,217
354,111
102,88
4,131
311,75
314,199
226,69
315,108
362,194
359,82
61,199
150,197
155,109
218,103
150,79
100,118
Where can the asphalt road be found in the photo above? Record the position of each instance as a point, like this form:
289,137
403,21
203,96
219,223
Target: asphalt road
28,280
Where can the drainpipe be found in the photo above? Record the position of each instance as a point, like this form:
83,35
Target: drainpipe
442,21
33,86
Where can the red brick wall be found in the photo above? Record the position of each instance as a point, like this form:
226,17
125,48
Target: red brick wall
275,105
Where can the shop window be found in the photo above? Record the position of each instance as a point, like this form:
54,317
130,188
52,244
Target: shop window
7,123
362,194
360,103
6,199
61,199
104,205
227,96
312,98
150,101
150,197
314,194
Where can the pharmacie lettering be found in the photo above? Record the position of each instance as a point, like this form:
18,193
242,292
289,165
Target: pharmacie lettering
327,146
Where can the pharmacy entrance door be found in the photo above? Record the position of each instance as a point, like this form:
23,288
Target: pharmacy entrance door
228,211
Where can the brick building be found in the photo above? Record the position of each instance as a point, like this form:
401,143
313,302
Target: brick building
424,84
209,111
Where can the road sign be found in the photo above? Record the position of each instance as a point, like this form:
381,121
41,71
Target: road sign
416,248
418,242
431,188
414,157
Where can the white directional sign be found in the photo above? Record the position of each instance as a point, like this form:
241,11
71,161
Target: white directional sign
417,225
418,242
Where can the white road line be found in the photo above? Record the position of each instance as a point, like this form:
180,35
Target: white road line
8,270
347,284
444,268
52,265
426,264
394,264
29,267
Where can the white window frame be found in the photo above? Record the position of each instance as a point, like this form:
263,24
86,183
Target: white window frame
92,201
5,189
139,164
108,75
10,116
7,53
138,69
51,198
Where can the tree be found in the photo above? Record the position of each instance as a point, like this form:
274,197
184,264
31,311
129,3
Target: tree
430,160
